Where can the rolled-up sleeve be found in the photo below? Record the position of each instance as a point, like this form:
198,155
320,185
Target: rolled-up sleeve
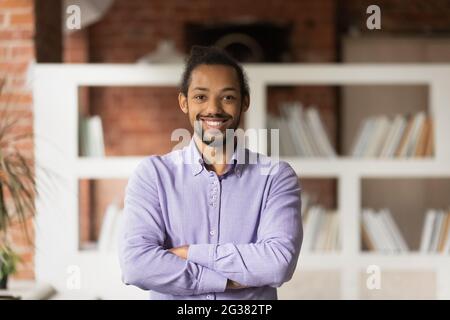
144,261
273,258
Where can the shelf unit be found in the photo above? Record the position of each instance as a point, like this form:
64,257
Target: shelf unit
56,147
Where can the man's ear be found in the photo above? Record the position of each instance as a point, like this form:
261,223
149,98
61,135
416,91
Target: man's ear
246,103
182,101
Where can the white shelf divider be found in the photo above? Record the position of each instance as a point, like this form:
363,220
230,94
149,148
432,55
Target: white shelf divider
108,167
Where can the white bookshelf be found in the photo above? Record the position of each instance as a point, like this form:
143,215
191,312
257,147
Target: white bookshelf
56,146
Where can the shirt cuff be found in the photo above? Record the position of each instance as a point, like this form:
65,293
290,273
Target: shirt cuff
212,281
202,254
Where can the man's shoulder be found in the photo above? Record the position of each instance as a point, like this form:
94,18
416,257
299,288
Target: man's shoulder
160,162
267,165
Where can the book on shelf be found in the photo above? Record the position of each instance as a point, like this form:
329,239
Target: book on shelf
110,228
321,230
429,149
375,142
381,233
404,136
91,137
302,132
394,136
435,236
305,204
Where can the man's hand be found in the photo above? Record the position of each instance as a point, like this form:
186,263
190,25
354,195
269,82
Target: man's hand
234,285
181,252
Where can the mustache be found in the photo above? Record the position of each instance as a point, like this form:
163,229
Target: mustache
215,115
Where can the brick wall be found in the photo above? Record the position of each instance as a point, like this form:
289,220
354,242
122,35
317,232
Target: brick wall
16,50
21,42
132,28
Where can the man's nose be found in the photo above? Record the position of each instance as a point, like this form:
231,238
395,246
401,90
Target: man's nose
214,107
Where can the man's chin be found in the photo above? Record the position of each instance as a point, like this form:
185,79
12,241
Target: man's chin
214,141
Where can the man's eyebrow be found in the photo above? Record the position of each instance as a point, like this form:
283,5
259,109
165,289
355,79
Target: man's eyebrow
224,89
229,88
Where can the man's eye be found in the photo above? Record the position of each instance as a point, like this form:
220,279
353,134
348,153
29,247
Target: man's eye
229,98
200,97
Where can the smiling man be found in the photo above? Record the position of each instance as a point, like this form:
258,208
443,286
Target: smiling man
204,222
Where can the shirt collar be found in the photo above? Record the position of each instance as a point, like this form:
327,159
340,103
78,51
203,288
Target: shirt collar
195,160
194,157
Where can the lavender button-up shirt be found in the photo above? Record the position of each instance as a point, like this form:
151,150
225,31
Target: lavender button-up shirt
244,225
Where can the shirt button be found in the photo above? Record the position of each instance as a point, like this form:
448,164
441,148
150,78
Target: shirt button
212,232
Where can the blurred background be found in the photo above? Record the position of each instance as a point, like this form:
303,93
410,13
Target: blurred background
402,223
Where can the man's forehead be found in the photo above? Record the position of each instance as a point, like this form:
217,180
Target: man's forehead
209,75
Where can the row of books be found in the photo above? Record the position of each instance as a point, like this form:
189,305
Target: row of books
91,137
320,229
302,132
436,232
380,232
402,136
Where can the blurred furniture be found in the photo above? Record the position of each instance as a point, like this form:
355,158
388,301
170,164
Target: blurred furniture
30,290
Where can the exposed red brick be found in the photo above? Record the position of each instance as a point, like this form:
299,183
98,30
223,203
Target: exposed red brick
76,47
18,235
3,53
16,99
16,51
6,35
22,52
16,4
21,20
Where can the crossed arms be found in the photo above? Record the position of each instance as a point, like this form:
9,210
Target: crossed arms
182,252
204,268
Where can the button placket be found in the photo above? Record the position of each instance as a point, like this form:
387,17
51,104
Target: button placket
213,190
214,202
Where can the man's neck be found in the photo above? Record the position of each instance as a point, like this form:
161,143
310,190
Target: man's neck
216,159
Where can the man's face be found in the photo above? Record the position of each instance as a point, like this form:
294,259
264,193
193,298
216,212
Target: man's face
214,102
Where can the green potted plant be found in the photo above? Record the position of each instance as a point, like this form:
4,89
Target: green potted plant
17,188
8,264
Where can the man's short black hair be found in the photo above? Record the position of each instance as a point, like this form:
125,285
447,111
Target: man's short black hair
212,56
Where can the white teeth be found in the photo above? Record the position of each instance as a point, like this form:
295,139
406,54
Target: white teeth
213,123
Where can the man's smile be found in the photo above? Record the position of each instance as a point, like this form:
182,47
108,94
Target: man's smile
214,123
